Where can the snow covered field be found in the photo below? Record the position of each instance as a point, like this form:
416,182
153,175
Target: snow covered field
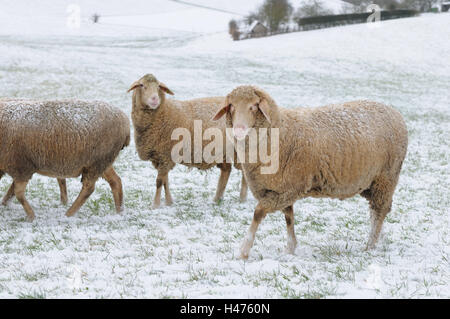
190,249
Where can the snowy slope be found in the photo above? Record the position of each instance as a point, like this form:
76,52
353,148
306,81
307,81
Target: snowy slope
190,249
50,17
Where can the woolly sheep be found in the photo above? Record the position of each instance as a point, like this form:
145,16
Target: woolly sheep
334,151
154,119
62,139
10,193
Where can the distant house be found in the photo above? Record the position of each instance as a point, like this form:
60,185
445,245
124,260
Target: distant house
257,29
445,6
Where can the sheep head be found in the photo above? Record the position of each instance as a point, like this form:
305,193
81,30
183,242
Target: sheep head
248,107
150,91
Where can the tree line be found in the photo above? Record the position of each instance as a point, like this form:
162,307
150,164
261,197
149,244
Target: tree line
277,14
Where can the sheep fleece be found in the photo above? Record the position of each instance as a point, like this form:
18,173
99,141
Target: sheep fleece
332,151
153,129
60,138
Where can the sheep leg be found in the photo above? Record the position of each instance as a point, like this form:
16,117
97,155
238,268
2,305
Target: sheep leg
244,189
19,191
10,192
258,216
115,183
159,184
86,191
225,170
169,200
63,190
377,219
292,241
8,195
380,200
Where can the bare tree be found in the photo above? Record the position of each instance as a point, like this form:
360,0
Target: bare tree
347,8
233,30
274,12
251,17
232,26
362,5
421,5
312,8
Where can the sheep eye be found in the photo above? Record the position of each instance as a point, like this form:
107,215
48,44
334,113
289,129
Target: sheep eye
231,108
254,107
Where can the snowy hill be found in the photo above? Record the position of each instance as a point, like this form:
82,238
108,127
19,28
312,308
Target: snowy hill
147,16
190,249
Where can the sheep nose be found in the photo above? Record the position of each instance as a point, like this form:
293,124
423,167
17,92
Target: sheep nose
240,131
154,99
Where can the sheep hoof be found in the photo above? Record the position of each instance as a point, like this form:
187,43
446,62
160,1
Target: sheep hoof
155,206
30,218
244,255
245,250
290,248
243,200
120,209
217,200
70,213
369,246
169,203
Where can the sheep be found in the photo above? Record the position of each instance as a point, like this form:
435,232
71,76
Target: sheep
10,193
154,119
334,151
62,139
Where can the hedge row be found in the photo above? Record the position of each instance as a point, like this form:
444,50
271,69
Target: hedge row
353,18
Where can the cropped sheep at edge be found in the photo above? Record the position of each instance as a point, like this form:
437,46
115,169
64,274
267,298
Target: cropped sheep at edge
62,138
10,193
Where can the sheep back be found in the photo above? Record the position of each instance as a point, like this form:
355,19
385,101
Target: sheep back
153,129
60,138
333,151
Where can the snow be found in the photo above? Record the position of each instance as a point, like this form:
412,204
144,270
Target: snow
191,248
250,28
137,17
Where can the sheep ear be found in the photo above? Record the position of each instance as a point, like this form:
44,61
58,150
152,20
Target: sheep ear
264,106
265,110
164,87
221,113
134,86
